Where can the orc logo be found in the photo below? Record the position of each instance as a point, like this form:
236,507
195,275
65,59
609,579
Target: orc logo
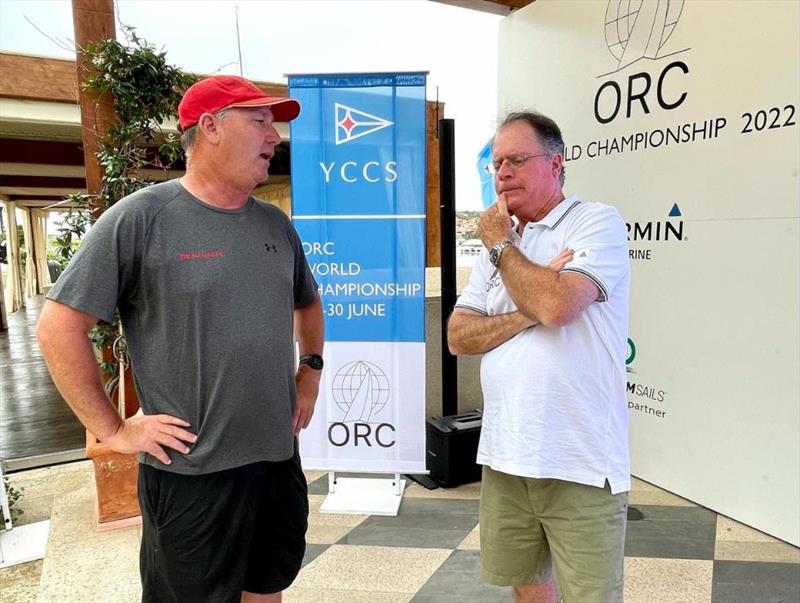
637,29
361,390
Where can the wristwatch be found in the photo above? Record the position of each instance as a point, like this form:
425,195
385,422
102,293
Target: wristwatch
495,251
312,360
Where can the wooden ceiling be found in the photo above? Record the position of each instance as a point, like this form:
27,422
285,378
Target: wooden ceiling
497,7
41,155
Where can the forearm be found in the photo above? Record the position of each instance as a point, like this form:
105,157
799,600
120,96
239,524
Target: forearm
469,333
537,291
75,372
309,327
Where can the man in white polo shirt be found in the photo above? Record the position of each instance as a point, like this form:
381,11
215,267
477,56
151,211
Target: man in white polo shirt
554,442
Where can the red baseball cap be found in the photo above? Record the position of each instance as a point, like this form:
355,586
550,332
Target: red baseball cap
220,92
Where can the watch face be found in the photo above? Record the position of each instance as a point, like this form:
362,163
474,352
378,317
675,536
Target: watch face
497,250
312,360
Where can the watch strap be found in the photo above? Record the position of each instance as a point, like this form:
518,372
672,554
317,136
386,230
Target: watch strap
313,360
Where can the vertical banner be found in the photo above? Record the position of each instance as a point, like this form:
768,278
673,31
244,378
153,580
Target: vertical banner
358,192
685,116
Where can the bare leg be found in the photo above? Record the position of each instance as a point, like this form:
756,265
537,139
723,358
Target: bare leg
255,598
544,592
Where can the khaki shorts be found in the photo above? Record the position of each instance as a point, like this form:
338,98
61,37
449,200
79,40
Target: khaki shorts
529,527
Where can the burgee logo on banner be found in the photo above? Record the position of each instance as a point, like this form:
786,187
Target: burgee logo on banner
352,123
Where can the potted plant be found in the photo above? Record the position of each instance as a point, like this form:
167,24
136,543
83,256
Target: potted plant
12,497
145,92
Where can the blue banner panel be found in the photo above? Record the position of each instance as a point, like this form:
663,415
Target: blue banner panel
369,275
358,190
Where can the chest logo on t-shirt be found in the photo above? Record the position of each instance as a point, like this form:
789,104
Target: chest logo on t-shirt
206,254
271,247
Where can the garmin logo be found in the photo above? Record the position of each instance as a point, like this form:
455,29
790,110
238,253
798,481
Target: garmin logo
658,230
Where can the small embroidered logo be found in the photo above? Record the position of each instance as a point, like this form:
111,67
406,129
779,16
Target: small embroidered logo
271,248
208,254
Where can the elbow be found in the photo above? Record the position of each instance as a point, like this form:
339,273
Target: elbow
452,345
454,349
554,321
42,333
455,345
554,317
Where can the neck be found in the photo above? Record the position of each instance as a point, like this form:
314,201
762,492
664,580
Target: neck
556,198
211,186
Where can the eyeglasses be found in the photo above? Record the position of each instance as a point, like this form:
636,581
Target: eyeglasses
514,162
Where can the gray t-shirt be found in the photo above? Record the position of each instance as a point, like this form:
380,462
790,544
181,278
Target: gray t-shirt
206,298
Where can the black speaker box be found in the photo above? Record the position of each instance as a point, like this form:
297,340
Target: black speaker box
452,446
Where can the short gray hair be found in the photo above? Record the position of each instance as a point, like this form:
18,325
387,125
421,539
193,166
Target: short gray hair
546,130
189,136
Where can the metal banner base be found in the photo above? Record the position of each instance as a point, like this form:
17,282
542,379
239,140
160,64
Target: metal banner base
363,495
24,543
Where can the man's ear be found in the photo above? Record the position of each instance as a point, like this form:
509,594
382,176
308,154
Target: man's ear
557,163
209,127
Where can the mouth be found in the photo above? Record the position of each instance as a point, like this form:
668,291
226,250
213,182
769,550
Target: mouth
266,156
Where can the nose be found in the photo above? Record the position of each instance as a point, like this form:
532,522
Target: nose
505,172
272,135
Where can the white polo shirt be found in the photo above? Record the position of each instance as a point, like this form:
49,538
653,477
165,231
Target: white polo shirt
554,397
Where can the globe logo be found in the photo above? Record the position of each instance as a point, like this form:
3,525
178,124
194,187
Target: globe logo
361,390
637,29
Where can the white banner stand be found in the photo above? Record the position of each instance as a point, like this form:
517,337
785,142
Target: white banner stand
22,544
363,495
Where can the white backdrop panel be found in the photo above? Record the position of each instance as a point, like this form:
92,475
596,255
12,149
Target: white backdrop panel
714,387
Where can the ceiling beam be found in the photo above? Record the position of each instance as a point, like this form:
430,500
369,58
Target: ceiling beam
42,181
496,7
44,198
39,192
13,168
38,78
17,150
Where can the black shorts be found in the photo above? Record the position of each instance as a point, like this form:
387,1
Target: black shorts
206,538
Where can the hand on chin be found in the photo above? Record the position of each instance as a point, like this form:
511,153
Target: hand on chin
512,200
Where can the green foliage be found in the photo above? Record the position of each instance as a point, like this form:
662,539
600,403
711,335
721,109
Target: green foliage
13,497
71,230
23,252
103,334
145,92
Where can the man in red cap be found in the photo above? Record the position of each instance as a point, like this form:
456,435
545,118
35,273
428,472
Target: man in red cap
212,286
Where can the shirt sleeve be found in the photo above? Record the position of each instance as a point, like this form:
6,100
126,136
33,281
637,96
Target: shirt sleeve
600,241
105,267
473,297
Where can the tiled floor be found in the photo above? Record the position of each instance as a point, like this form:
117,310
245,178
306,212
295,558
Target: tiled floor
676,552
